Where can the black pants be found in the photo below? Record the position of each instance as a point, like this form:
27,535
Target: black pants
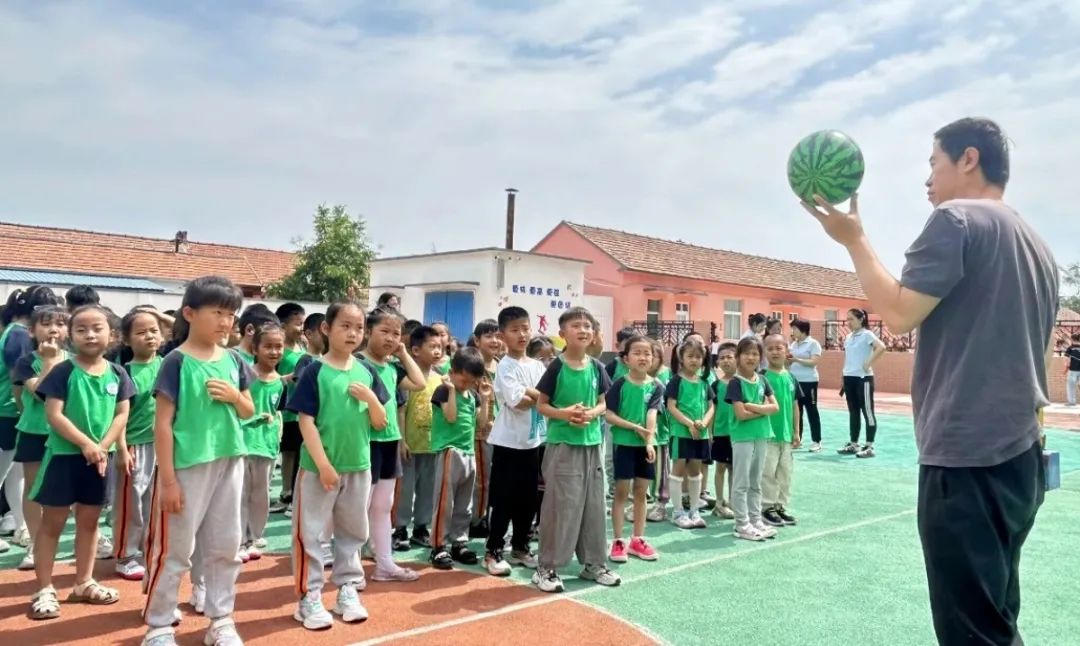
808,410
973,523
859,392
514,474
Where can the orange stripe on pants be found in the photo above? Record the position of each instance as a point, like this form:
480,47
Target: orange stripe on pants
120,545
161,545
299,556
481,480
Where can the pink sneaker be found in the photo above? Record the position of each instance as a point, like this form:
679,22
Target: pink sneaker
642,550
618,551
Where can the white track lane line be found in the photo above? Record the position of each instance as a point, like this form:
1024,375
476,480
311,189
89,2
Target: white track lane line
532,603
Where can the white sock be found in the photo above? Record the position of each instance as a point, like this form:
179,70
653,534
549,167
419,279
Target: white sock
13,491
382,499
694,489
675,493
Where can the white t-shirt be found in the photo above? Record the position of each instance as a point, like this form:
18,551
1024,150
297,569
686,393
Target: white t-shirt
858,346
517,429
805,349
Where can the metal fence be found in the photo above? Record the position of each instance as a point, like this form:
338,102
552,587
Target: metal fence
666,332
831,335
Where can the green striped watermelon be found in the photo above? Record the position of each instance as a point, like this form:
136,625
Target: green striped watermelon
827,163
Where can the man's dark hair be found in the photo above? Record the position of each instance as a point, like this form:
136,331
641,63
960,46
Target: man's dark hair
984,136
80,295
802,326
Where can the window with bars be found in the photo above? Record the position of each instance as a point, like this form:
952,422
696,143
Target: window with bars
682,312
732,318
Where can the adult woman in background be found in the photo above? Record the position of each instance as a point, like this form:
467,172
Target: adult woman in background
861,349
805,353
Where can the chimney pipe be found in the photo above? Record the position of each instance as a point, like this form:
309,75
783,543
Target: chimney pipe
510,196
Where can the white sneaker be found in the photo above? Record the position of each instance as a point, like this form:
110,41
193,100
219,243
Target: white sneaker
397,574
601,574
130,570
682,521
698,521
748,532
547,580
657,514
159,637
28,559
311,612
524,559
348,605
104,547
4,546
327,555
22,537
765,530
815,447
243,555
7,524
222,633
288,512
198,597
260,543
496,566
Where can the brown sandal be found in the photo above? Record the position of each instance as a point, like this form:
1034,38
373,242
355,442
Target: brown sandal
94,594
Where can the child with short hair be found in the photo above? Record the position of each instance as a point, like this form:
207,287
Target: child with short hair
776,479
383,327
616,368
86,406
690,409
262,435
634,402
457,411
516,437
131,507
314,343
752,401
486,339
572,516
292,318
413,505
659,488
254,317
339,400
202,394
49,327
723,421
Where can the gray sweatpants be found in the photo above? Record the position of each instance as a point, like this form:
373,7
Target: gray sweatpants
455,475
345,507
131,504
211,517
416,488
481,500
572,517
747,466
255,503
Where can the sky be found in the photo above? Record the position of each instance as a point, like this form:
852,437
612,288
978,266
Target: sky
672,119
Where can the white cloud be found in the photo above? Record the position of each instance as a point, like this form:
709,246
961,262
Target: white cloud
119,120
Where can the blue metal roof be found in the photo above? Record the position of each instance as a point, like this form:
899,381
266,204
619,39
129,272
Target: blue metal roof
34,277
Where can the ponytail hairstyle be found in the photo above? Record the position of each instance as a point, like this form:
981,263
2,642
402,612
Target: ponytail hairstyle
22,303
677,352
861,315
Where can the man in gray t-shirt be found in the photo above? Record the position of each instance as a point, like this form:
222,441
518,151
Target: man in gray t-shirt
982,288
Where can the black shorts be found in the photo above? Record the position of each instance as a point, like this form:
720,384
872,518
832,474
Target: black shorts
632,462
721,449
687,448
8,433
385,461
30,447
67,480
291,439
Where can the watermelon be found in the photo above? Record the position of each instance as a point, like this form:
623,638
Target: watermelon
826,163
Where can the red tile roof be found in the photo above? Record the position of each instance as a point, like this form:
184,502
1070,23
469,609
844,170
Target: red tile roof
92,252
657,256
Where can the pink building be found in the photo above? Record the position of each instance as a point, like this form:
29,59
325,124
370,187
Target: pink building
671,287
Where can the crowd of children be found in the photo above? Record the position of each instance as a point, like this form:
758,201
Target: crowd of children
388,433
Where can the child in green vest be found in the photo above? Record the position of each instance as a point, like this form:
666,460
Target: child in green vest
723,422
86,406
659,489
753,402
776,480
690,408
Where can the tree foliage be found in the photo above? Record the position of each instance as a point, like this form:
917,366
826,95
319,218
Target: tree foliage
334,264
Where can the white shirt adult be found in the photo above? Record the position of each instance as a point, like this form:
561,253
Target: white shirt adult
517,429
858,348
806,349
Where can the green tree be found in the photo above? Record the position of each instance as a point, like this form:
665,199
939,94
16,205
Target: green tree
1070,293
334,264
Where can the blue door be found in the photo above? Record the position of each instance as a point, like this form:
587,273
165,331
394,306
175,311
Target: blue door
453,308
